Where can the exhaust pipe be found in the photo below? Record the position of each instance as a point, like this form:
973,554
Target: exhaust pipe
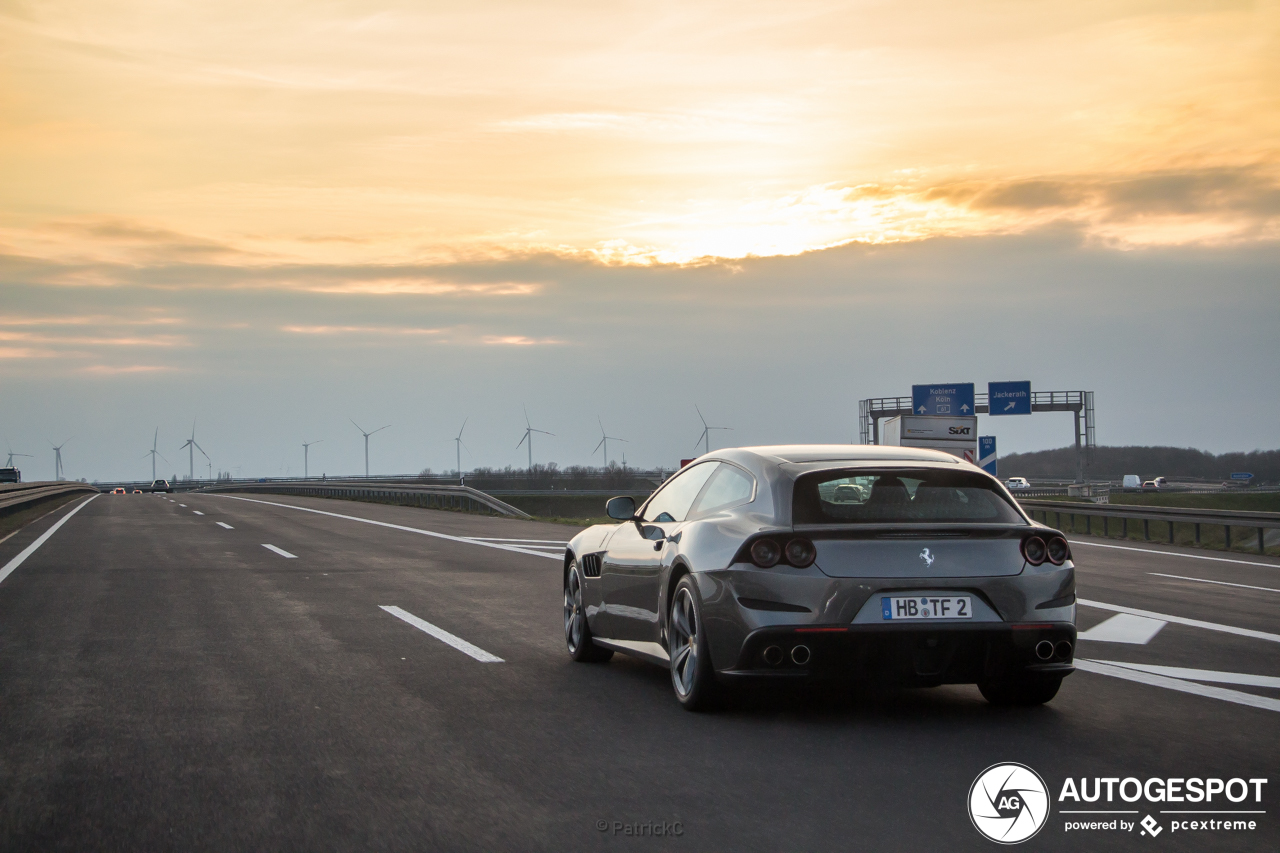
1063,649
773,655
1044,650
800,655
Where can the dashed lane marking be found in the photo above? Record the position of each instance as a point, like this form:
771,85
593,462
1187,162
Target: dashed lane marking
197,512
464,539
1124,628
282,552
184,506
44,537
443,635
1182,620
1219,583
1175,554
224,524
1157,680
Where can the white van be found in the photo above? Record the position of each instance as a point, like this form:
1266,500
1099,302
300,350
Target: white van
1132,481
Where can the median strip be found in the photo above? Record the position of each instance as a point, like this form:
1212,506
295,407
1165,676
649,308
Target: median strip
442,635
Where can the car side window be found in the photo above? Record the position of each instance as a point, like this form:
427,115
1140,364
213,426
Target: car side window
730,486
676,496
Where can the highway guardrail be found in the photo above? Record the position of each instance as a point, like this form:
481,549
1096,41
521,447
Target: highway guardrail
15,496
1226,518
462,498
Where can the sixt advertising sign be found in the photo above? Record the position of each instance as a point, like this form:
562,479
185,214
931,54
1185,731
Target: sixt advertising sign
951,400
1009,398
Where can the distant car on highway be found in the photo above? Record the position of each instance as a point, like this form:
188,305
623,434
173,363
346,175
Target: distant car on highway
118,490
161,486
10,475
1016,483
1157,483
137,491
756,563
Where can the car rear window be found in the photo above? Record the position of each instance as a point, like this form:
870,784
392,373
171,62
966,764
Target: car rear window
909,496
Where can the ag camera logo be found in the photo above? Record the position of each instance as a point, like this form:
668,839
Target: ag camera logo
1008,803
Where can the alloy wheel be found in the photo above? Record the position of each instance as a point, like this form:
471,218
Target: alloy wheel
684,643
574,620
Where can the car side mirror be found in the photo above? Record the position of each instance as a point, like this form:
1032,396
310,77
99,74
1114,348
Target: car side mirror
622,508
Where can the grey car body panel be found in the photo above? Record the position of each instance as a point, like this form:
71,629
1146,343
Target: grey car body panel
918,556
629,612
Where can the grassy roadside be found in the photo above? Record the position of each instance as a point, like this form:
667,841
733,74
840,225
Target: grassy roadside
12,522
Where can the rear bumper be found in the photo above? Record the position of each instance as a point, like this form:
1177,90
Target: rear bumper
907,655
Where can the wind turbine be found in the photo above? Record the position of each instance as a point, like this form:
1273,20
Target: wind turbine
57,458
706,432
192,447
9,464
528,436
458,445
604,442
305,446
153,453
366,442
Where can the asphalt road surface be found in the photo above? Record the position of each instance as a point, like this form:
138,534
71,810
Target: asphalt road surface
203,672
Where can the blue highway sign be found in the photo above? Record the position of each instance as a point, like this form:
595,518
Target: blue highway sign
987,454
1008,398
947,400
1241,475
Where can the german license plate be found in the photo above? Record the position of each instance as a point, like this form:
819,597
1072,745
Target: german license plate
919,607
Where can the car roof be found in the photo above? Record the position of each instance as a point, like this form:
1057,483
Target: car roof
855,454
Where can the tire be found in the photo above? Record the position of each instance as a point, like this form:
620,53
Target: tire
692,675
577,633
1021,693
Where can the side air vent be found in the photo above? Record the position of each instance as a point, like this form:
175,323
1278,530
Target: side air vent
591,566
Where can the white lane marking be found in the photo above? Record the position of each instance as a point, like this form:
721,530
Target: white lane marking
1182,620
184,506
526,541
44,537
443,635
1176,554
224,524
1215,676
1124,628
197,512
463,539
1178,684
1219,583
282,552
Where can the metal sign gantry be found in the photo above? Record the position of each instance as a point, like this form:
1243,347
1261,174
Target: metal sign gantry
871,410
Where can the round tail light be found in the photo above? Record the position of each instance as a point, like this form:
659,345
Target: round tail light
765,553
1058,551
1034,550
801,553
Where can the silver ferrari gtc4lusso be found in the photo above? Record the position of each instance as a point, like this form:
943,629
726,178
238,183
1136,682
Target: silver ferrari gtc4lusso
880,564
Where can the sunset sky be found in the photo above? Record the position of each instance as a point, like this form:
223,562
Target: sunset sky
271,217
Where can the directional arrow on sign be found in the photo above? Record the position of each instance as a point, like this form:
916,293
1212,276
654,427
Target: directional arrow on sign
965,408
923,410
